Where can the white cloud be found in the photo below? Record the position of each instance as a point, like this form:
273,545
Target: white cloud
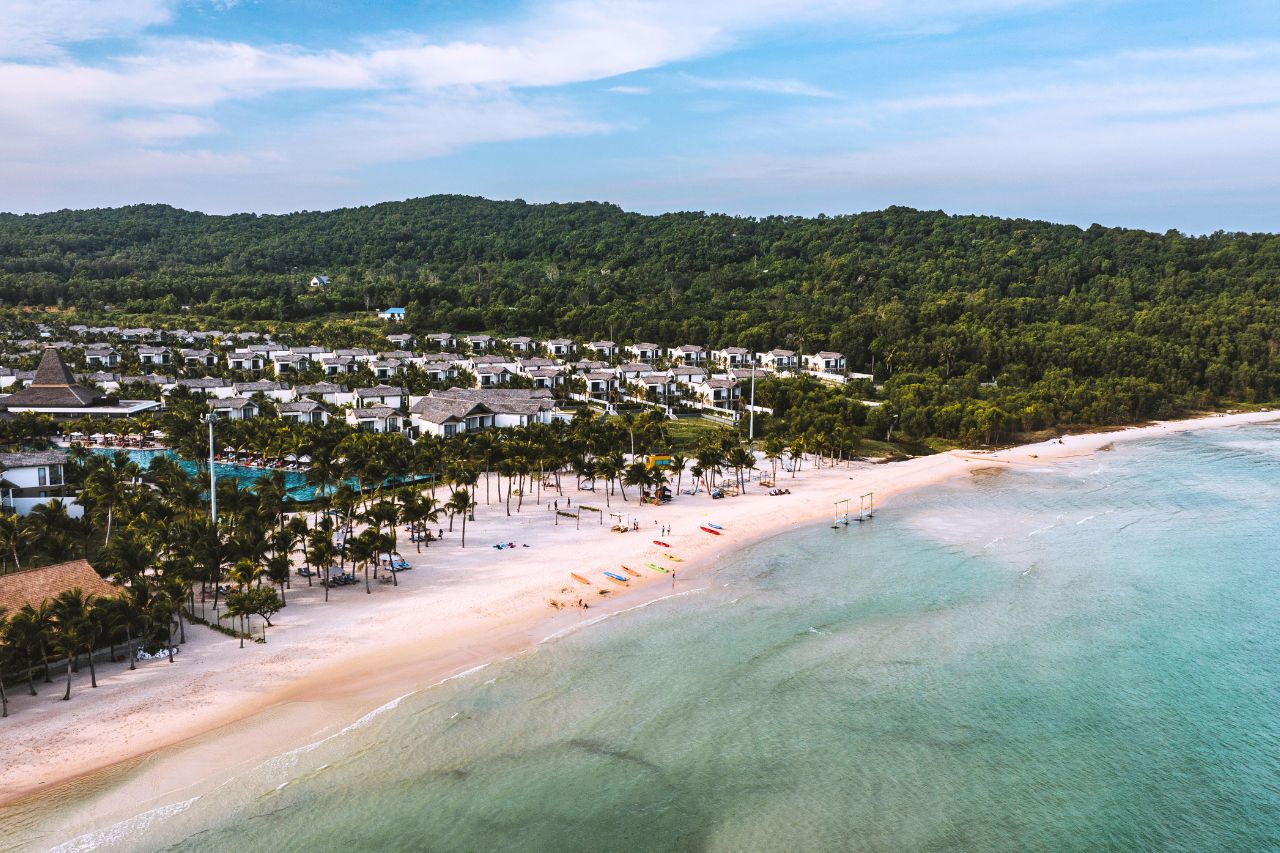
765,85
164,129
631,90
1179,138
41,28
393,99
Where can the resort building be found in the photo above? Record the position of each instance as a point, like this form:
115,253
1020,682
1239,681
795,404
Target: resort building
304,412
34,477
721,393
521,344
688,354
825,362
245,359
558,347
456,410
643,351
53,391
33,586
399,340
442,340
376,419
234,408
392,315
390,396
603,349
441,416
199,358
778,360
152,356
480,343
326,392
732,356
101,356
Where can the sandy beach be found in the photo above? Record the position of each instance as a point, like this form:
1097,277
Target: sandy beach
326,664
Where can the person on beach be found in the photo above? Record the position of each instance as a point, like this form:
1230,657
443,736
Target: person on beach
673,579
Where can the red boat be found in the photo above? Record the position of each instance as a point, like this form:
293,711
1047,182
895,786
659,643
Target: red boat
712,532
660,542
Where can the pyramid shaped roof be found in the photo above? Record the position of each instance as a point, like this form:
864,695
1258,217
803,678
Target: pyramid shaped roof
52,387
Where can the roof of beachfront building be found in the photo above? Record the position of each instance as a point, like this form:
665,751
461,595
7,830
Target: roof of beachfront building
32,586
53,386
32,458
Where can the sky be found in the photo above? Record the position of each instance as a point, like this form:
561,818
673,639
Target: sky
1153,115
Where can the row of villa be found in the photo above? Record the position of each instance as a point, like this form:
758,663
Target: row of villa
600,372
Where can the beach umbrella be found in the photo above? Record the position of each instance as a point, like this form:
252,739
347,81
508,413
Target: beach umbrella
157,433
97,436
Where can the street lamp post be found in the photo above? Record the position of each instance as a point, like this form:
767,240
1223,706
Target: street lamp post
213,477
751,409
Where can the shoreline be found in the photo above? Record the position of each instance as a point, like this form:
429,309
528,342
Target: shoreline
354,657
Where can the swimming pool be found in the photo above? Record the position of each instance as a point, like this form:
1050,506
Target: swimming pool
295,482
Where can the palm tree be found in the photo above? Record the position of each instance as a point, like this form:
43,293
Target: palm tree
70,608
108,486
26,632
160,612
67,642
460,504
741,459
635,474
321,552
16,535
363,549
606,468
678,462
124,613
419,509
4,649
773,448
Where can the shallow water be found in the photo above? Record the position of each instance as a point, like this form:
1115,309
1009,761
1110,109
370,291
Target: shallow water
1084,657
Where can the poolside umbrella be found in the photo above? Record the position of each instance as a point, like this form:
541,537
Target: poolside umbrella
97,436
157,433
77,435
304,458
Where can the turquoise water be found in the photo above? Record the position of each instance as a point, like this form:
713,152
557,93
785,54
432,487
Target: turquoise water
1081,658
295,482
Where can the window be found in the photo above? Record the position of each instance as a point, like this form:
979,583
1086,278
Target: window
42,476
55,475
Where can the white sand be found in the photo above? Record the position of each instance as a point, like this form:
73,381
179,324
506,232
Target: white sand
458,608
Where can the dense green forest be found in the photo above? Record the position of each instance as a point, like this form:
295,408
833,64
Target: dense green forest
975,324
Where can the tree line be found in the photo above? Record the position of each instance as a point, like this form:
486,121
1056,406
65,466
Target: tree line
975,326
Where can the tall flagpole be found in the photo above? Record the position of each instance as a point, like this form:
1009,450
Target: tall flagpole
213,477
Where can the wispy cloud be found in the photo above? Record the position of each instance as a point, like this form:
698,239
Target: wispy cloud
762,85
631,90
41,29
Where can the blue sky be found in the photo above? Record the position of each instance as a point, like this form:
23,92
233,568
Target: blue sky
1149,114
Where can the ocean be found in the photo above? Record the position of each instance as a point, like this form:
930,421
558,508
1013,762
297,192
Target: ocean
1080,657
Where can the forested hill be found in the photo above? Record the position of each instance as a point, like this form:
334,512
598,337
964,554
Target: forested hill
1090,324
